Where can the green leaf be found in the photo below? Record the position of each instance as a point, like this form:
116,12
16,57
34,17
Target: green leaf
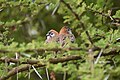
117,15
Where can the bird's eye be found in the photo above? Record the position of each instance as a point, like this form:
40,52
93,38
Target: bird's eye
52,34
69,31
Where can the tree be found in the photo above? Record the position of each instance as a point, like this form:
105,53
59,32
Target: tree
94,55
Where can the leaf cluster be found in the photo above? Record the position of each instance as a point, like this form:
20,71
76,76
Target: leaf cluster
95,23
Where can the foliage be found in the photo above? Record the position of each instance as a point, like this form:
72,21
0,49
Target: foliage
95,23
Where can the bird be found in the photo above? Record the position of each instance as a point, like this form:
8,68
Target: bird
52,36
60,37
63,37
66,34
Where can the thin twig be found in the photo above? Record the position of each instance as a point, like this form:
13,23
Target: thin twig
115,21
103,14
29,72
77,17
64,77
107,77
37,72
91,60
56,8
19,69
99,56
47,74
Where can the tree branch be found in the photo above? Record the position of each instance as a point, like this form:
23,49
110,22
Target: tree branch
55,60
114,21
51,60
45,49
37,64
77,17
64,59
18,69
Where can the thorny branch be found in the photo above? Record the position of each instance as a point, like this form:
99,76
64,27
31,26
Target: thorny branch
77,17
51,60
56,49
46,49
18,69
55,60
115,21
37,63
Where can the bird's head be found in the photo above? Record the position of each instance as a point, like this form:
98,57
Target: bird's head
65,30
51,35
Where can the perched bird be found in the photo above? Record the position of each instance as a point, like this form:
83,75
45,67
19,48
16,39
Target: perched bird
64,37
51,36
66,34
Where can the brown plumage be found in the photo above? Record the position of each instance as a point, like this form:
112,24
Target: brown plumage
65,34
61,37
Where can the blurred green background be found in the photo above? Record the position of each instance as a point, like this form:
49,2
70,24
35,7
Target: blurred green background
24,24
